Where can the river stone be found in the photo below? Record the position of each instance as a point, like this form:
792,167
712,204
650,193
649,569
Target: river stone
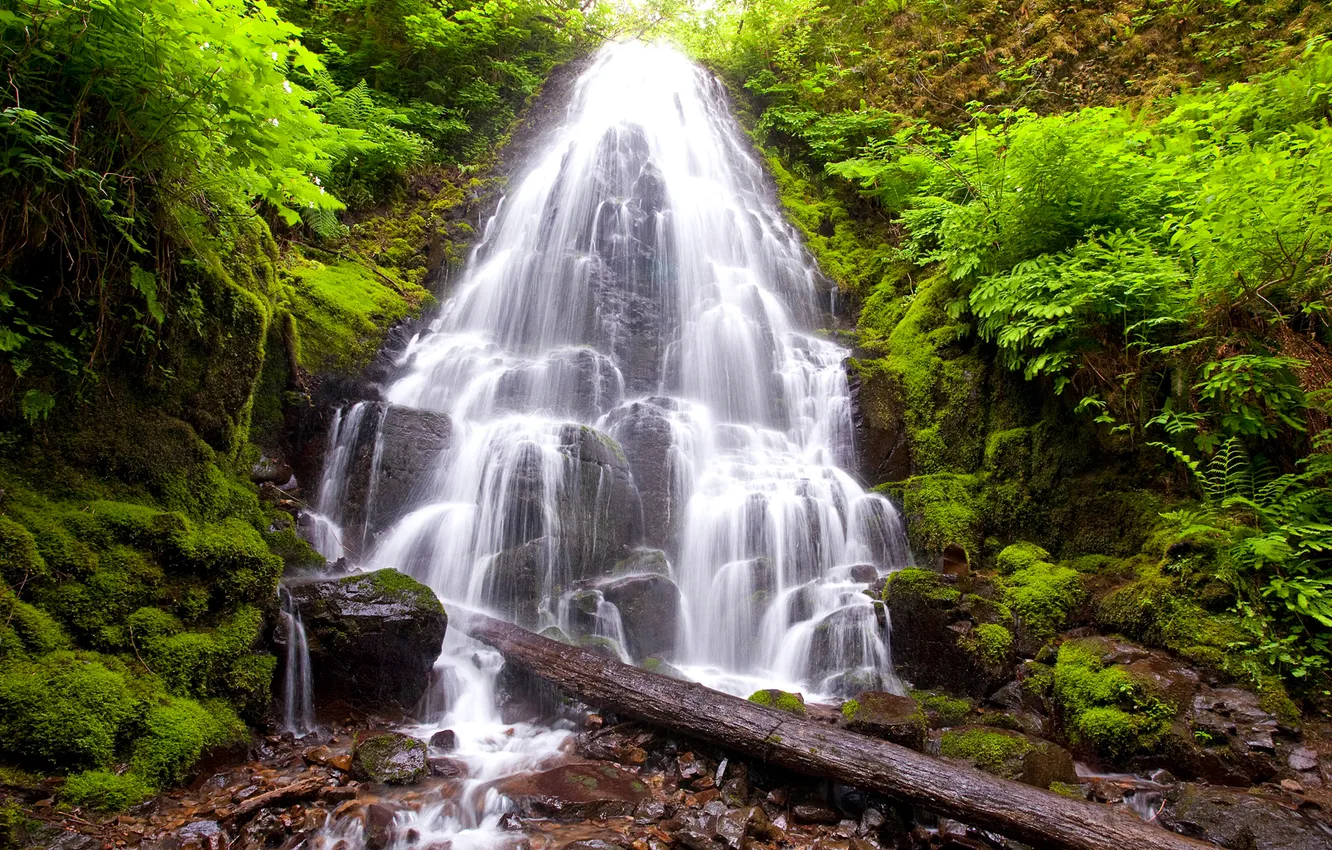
577,791
390,757
839,644
373,637
649,608
887,716
1241,820
1228,738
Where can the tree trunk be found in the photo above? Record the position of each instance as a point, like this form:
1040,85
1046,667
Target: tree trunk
1019,811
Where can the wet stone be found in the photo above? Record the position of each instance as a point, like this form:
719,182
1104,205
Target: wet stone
578,791
445,739
390,757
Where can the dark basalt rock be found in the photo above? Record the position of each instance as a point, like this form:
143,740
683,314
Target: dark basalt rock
390,757
601,513
411,443
1241,820
931,615
373,637
649,608
514,579
839,645
644,431
579,791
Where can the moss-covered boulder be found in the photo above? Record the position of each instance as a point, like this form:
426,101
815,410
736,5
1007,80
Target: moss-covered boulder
1232,817
949,632
883,715
649,607
780,700
1009,754
373,637
390,757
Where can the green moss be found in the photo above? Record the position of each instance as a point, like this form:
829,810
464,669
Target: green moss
849,708
949,710
1065,789
342,308
991,751
921,583
103,790
1103,708
989,643
27,630
398,585
1163,611
20,561
64,710
1042,596
780,700
1019,556
177,731
16,827
941,510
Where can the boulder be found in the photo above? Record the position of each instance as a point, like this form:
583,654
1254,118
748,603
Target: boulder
1011,755
515,578
642,561
649,607
932,618
1228,738
848,639
577,791
390,757
1241,820
444,739
887,716
373,637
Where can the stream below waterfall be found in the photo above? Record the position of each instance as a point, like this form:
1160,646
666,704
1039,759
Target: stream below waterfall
624,429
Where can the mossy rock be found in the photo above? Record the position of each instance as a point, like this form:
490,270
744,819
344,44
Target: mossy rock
391,758
1010,755
1020,556
944,710
780,700
1104,708
898,719
1043,597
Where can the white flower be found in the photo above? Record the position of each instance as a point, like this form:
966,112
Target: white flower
316,182
273,121
204,46
286,86
274,55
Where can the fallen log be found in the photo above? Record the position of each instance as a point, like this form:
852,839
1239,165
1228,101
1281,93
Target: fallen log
1019,811
299,791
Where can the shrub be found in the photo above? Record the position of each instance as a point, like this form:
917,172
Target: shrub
65,710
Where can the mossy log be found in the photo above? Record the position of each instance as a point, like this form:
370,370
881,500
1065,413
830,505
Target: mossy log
1020,811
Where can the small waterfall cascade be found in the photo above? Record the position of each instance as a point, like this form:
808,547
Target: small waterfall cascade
624,429
297,679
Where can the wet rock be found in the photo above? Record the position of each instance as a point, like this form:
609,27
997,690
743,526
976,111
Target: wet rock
780,700
1227,738
373,637
578,791
515,577
445,767
644,430
1241,820
593,844
845,640
200,835
649,607
931,618
601,514
883,715
390,757
379,828
393,455
662,667
643,561
444,739
326,756
736,825
1010,755
814,813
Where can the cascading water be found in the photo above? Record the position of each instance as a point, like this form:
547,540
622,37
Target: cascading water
297,679
647,438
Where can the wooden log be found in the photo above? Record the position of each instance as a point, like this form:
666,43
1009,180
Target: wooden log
1019,811
299,791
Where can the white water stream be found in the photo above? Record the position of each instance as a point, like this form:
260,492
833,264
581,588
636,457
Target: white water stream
631,363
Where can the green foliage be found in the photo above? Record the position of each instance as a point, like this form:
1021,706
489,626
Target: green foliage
1019,556
949,710
176,733
1042,596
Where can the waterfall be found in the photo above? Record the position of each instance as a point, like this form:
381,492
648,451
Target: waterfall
297,681
648,437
